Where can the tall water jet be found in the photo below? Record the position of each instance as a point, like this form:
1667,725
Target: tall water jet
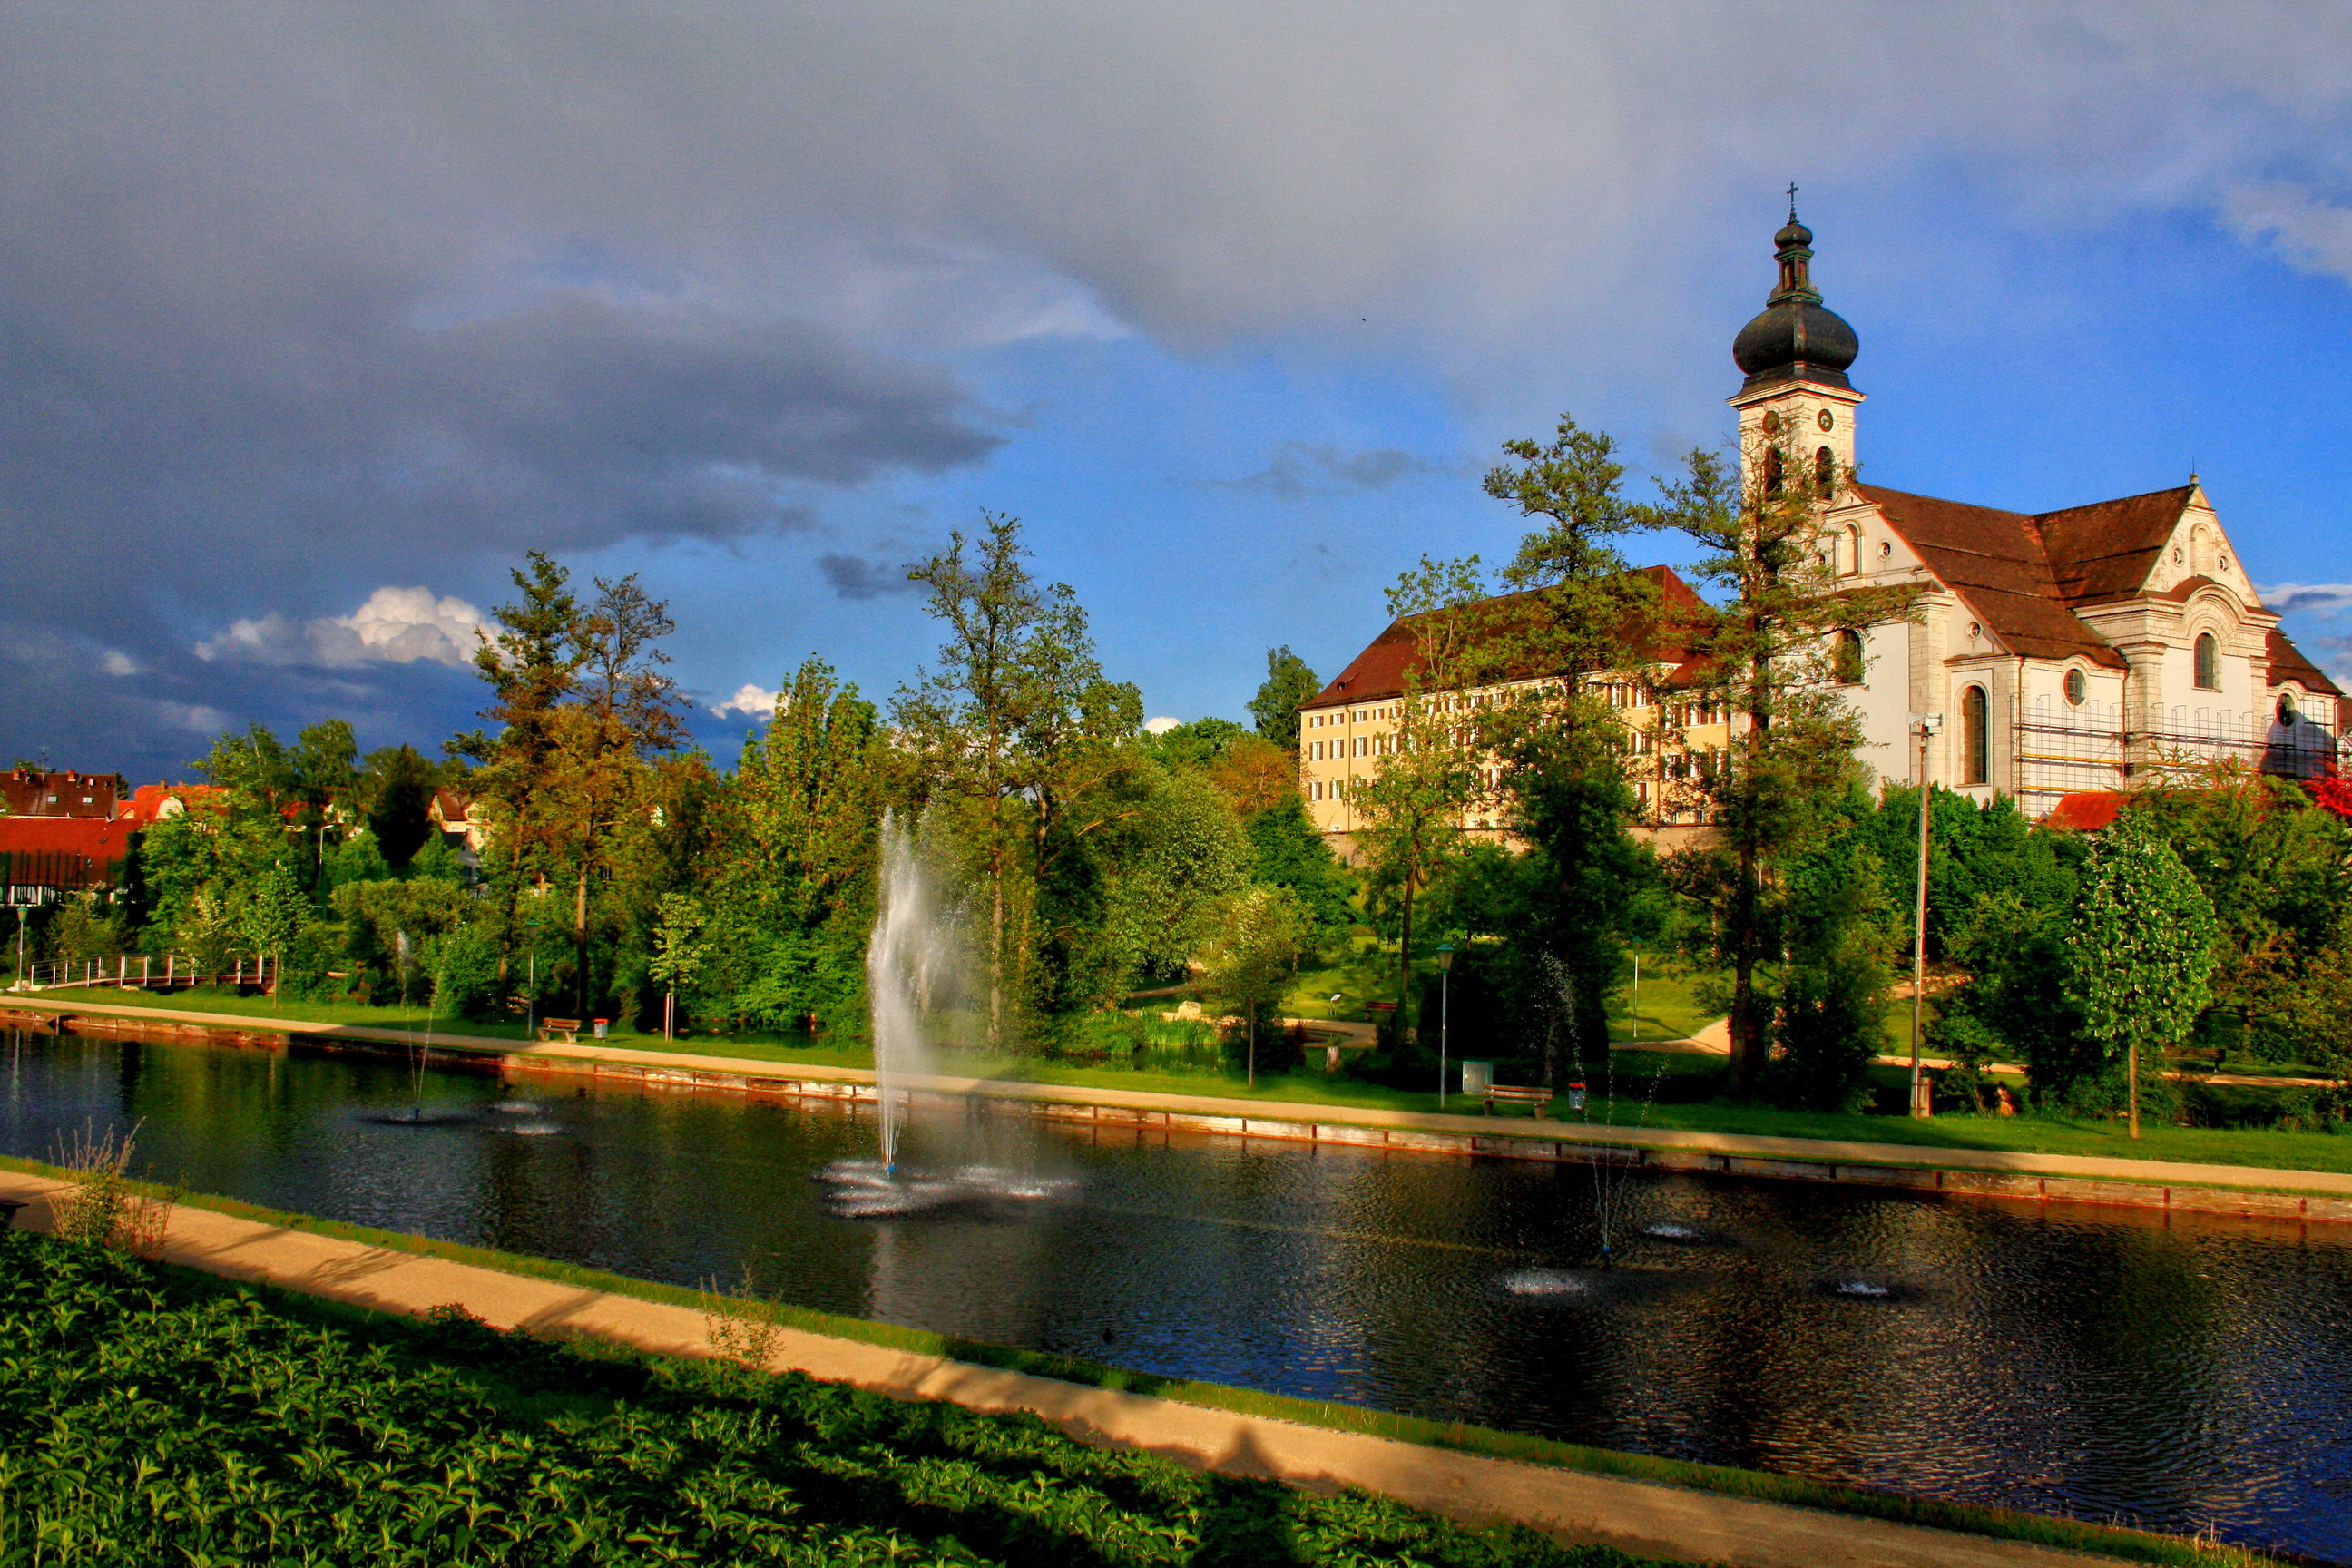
909,963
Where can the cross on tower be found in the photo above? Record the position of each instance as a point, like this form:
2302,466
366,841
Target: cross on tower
1792,201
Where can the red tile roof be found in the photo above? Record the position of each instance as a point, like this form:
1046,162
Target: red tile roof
2287,663
65,793
1995,561
2086,811
2105,551
1380,670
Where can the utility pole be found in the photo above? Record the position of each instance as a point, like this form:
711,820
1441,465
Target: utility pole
1927,724
1445,1012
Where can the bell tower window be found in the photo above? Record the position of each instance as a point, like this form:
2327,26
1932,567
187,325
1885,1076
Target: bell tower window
2209,662
1776,467
1825,473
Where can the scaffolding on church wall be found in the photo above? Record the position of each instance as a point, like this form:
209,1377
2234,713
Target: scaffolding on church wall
2064,747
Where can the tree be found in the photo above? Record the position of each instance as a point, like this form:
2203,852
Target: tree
1288,684
1410,811
1016,723
1766,648
396,790
274,911
1254,952
533,668
677,953
2141,950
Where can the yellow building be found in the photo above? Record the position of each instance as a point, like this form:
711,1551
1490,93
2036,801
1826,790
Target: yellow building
1348,727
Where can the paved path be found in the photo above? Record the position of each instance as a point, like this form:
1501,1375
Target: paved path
1637,1516
1714,1040
1836,1150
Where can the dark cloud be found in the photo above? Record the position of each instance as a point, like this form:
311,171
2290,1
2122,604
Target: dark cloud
1302,469
2321,598
855,578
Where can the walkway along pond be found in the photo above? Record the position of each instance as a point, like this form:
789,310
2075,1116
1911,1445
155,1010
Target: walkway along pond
2177,1370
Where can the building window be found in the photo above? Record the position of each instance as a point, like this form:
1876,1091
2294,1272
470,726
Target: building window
2074,687
2209,662
2287,715
1825,473
1976,737
1846,662
1775,471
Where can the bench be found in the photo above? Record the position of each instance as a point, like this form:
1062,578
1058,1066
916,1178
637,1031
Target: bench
1511,1094
568,1027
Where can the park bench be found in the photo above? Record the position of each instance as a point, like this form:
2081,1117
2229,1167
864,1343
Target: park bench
568,1027
1512,1094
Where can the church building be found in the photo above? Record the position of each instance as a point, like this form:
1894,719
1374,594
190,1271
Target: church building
2076,649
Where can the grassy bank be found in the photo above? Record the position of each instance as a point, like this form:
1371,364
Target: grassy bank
2130,1545
158,1415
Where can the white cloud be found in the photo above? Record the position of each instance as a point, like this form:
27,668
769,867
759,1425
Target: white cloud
2307,598
192,717
395,626
750,701
2312,234
1160,726
114,661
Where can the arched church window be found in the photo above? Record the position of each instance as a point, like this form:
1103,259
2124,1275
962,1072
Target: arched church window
2209,662
2286,711
1976,737
1775,471
1853,561
2075,686
1825,473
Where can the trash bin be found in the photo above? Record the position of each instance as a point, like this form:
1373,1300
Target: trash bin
1477,1077
600,1027
1576,1096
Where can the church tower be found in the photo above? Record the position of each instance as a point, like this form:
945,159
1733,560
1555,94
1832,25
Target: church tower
1796,408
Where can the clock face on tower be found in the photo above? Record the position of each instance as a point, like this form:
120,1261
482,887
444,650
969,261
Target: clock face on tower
1828,420
1772,422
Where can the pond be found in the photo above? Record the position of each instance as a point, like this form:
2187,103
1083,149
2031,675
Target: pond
2183,1373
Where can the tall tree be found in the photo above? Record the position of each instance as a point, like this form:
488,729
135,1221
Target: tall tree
1410,810
1014,719
1288,684
1580,621
532,667
1767,647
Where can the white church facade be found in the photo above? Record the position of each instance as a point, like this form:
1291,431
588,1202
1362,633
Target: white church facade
2062,652
2069,651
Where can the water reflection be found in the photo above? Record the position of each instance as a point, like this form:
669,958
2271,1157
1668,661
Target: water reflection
2101,1363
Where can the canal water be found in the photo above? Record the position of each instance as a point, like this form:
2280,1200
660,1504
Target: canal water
2107,1364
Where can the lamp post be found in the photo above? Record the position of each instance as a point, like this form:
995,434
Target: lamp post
1445,1012
1928,724
530,1003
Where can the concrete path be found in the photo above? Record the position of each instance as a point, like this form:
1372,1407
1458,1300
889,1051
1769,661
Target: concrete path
1829,1150
1638,1516
1714,1040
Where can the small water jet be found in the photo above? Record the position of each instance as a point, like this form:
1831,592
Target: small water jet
868,1189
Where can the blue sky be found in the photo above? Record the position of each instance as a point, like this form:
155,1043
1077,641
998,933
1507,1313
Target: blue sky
316,316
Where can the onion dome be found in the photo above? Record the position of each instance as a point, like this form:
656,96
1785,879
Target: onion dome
1795,339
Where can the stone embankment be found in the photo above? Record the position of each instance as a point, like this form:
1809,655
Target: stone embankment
2241,1190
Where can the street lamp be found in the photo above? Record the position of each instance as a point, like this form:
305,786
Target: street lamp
530,1001
1445,1012
1928,724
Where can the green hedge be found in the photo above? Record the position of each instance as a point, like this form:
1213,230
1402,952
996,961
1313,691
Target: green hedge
151,1416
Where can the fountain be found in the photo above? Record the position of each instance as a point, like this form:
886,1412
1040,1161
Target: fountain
912,970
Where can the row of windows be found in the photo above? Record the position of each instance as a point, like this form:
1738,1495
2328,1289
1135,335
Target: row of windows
1775,472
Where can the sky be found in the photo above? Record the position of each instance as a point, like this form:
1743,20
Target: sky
314,318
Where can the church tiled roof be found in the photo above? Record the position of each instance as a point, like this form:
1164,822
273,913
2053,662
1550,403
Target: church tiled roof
1995,559
2105,550
2287,663
1380,670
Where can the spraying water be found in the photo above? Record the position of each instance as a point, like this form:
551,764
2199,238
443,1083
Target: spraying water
907,966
